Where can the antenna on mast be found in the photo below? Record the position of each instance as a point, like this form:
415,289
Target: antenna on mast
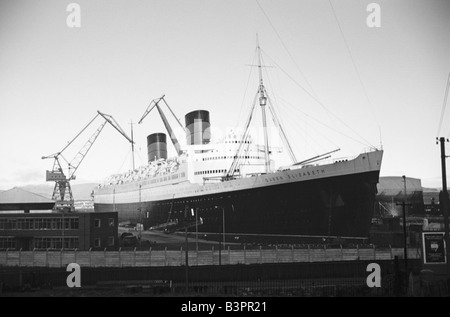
264,101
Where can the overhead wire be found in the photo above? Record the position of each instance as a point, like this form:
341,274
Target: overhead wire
358,75
246,89
312,93
126,157
320,103
285,47
325,125
444,104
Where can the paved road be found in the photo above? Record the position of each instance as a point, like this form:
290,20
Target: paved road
175,240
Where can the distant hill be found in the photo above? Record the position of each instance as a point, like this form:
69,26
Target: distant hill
430,190
79,191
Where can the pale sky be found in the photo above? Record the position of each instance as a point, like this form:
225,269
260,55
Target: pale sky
54,78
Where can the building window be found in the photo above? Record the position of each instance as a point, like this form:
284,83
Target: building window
111,222
11,224
74,223
55,242
97,243
97,223
56,223
7,243
110,241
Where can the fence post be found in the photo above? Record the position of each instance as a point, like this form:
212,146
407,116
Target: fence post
212,255
120,257
165,256
277,255
325,252
90,258
309,253
342,253
260,255
150,256
292,253
245,255
196,256
20,257
181,255
392,255
357,251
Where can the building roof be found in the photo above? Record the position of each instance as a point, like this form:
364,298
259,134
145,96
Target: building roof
394,185
17,195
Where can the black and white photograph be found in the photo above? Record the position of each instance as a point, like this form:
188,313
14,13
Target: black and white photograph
224,156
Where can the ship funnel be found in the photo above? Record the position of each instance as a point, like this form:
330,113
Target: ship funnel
197,127
156,146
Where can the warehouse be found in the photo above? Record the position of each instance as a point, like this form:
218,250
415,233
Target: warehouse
38,227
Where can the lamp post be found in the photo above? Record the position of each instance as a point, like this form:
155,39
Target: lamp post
223,233
187,259
196,229
405,249
405,233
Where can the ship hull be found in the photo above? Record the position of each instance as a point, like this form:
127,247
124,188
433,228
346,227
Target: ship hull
328,206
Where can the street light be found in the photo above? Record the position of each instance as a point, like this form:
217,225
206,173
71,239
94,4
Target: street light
404,204
223,234
404,227
196,229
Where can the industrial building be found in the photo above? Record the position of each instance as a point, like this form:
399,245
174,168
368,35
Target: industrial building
38,227
82,231
391,193
18,199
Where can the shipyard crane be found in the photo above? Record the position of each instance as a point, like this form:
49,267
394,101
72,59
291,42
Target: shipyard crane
62,192
155,103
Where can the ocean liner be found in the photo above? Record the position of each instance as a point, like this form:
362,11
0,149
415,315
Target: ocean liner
232,185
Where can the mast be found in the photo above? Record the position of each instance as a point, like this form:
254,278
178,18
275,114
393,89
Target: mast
262,103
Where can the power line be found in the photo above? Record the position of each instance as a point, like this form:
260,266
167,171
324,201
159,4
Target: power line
320,103
246,89
354,64
325,125
443,106
285,47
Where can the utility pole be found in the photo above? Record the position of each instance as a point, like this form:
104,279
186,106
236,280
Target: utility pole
405,248
220,244
405,239
406,196
196,229
444,204
223,227
187,259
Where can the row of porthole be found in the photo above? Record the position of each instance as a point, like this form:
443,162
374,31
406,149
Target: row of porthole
212,172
